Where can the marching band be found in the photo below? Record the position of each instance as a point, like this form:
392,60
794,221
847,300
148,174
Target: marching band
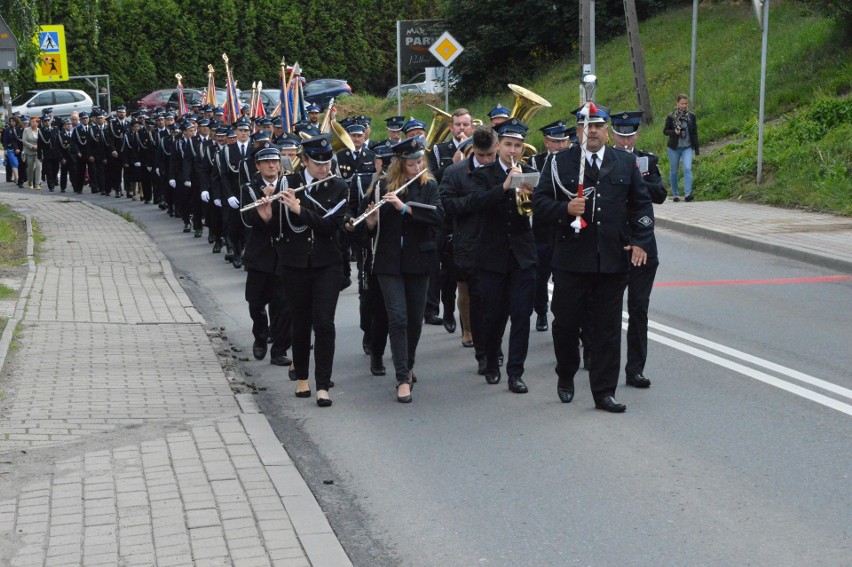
454,214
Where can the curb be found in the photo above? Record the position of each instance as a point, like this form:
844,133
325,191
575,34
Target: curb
799,254
12,323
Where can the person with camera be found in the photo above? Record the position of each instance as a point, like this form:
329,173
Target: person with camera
682,129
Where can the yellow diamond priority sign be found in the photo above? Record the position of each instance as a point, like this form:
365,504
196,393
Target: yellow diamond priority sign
446,49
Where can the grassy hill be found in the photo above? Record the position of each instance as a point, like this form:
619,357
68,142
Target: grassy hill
808,140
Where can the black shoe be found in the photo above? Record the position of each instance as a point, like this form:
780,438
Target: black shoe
291,374
171,213
186,227
587,359
638,381
211,239
676,199
280,360
199,232
323,402
229,255
433,320
118,195
403,399
217,247
303,393
238,262
517,386
566,394
541,322
259,350
450,324
163,206
377,366
483,365
492,376
611,405
689,198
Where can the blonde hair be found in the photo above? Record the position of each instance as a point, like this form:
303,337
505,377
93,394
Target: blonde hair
396,176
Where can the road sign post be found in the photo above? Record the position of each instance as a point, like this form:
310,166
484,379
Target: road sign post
445,49
52,64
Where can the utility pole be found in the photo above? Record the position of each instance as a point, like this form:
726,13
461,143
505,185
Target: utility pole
585,39
637,56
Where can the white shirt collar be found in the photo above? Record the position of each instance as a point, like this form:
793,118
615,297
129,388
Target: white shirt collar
599,153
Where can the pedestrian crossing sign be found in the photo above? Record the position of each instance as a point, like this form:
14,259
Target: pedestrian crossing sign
52,64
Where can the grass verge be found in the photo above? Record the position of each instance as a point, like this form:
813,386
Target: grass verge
128,217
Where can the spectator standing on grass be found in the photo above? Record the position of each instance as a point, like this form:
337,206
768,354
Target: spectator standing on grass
682,129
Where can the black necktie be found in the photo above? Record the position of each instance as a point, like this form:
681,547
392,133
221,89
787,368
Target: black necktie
243,151
594,172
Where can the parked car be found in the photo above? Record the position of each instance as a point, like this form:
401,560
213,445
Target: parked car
194,96
431,81
62,101
269,97
152,99
321,91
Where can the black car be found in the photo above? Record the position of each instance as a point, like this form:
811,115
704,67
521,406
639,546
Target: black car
321,91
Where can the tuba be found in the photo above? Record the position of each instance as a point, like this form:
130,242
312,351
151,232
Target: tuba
439,129
340,139
527,103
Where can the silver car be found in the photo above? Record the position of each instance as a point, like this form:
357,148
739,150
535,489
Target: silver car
62,101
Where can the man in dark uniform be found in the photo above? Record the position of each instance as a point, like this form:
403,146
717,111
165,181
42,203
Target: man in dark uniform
313,115
591,262
236,172
68,160
263,286
358,161
441,155
114,139
394,128
625,127
100,151
48,147
215,213
556,139
413,128
201,170
185,174
457,190
498,115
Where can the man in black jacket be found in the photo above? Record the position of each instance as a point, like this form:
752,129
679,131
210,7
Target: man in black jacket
505,256
592,263
260,259
625,127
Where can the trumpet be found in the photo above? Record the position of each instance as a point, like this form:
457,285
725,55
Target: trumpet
522,199
277,196
360,219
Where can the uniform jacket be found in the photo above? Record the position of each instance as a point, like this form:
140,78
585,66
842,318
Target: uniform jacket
348,165
405,244
259,253
542,231
457,189
309,239
502,230
618,212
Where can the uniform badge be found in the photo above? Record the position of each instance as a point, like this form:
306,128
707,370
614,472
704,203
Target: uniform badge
646,221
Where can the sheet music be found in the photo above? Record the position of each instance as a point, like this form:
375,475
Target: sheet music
519,179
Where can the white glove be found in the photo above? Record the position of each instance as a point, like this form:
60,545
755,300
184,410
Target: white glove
217,202
187,183
149,170
158,171
205,196
172,183
234,202
137,164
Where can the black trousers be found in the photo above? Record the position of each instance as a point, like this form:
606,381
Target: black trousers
264,289
214,219
98,180
312,297
405,298
604,294
79,180
475,309
442,279
68,170
376,314
50,169
544,253
234,229
114,170
507,297
22,170
639,286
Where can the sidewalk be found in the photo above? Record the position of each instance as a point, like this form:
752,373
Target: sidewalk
822,239
122,441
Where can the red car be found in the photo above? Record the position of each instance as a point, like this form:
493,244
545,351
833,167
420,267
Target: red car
155,99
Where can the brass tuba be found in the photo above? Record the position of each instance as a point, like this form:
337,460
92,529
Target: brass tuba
527,103
439,129
340,139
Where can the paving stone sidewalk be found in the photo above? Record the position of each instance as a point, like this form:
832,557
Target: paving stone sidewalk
121,439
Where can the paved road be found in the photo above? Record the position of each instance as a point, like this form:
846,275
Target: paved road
732,457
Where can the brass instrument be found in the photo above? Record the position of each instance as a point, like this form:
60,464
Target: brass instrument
439,129
277,196
527,103
340,139
523,201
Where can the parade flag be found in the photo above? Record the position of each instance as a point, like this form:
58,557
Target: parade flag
183,109
210,95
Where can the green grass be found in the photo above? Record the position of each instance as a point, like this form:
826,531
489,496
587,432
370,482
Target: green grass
13,237
6,292
128,217
809,67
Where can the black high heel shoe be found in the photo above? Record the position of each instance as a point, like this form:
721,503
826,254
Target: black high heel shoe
404,399
302,393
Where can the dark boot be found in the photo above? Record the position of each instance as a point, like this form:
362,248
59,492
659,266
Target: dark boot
229,250
217,247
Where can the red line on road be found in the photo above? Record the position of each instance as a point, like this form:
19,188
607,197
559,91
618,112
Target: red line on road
777,281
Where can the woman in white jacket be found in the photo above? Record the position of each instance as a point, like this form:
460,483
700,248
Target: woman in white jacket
31,155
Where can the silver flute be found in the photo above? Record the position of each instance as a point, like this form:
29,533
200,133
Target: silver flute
360,219
277,196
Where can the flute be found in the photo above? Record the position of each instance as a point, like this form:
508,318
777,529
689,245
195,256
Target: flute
271,198
357,221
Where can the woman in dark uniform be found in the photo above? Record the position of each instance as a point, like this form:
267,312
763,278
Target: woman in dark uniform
306,225
404,250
